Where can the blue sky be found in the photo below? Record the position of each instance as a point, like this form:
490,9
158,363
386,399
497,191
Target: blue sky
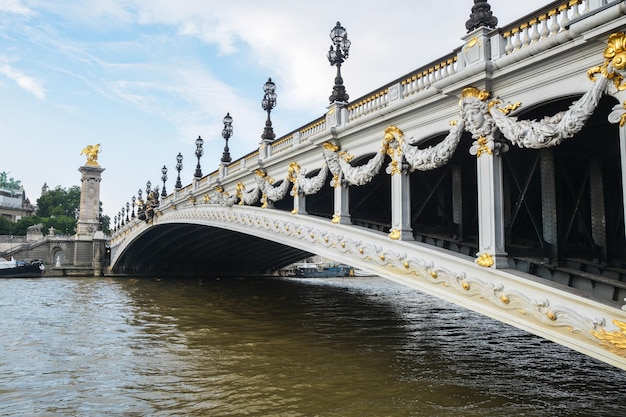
145,78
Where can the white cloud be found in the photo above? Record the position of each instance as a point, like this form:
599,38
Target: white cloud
14,6
24,81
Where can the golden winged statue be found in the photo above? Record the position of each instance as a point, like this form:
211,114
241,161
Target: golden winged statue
92,154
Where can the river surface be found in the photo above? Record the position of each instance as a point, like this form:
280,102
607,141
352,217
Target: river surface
278,347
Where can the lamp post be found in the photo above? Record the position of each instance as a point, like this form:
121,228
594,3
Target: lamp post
133,204
120,216
179,167
164,178
115,223
226,134
148,188
127,211
268,103
198,174
337,53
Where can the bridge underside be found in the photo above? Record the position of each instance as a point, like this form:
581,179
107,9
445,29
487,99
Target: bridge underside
192,250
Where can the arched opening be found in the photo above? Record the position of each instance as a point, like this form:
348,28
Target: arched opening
370,204
444,202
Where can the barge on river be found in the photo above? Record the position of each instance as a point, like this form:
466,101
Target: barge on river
21,269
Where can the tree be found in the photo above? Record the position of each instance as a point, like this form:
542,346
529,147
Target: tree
6,226
60,202
22,225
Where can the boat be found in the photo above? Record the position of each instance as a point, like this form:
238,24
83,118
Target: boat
321,270
21,269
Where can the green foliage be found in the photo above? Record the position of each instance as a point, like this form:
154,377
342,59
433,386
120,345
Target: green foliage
21,226
60,202
58,209
6,226
105,222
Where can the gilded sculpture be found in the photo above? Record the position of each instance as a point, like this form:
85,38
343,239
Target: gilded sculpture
91,151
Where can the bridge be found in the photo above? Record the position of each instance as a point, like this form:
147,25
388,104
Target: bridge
492,178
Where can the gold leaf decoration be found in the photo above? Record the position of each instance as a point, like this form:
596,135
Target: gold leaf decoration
614,341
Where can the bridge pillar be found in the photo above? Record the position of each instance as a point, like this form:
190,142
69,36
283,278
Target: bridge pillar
299,203
491,251
89,213
401,205
341,205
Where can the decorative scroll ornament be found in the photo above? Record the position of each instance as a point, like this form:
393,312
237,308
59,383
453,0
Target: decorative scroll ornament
392,142
434,156
614,341
615,59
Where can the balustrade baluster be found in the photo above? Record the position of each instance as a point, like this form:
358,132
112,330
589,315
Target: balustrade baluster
509,43
554,26
535,36
564,17
574,5
526,38
517,42
544,32
451,66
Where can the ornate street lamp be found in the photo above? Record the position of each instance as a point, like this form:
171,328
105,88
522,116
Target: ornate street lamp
148,188
198,174
337,53
120,217
127,210
133,204
164,178
139,193
179,167
226,134
268,103
115,223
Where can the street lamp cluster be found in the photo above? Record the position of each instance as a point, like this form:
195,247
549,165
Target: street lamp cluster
337,54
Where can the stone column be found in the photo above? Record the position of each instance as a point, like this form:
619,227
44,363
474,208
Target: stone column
299,203
400,204
342,205
491,251
88,219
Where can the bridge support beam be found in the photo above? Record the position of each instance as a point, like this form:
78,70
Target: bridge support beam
491,251
598,213
401,206
548,200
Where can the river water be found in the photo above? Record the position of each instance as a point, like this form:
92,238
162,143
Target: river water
278,347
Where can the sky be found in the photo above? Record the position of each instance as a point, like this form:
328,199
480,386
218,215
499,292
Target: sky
145,78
